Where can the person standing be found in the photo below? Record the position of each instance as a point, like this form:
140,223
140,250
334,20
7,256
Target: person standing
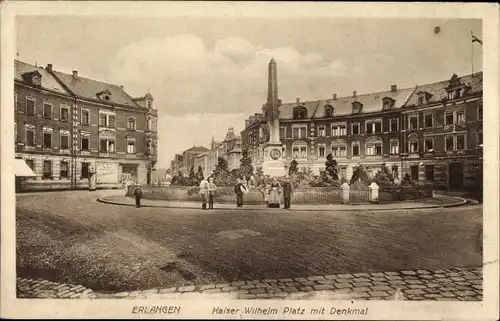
138,195
239,193
287,192
204,193
211,192
274,194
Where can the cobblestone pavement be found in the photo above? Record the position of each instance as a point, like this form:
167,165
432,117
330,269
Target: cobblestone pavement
456,284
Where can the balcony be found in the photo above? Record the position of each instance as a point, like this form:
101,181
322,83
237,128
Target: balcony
107,154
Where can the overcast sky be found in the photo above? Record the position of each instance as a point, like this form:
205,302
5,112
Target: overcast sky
209,74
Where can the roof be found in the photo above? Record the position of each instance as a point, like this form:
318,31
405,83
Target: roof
343,105
49,82
88,89
438,91
198,149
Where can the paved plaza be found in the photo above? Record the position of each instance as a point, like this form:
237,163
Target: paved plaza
76,245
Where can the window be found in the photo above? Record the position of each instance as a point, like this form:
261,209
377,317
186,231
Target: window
338,130
374,147
47,111
395,171
47,140
64,141
321,151
30,106
460,142
63,173
30,137
31,164
150,104
85,170
355,128
282,132
85,117
299,151
131,123
299,132
413,146
387,103
106,146
131,147
111,121
449,143
343,172
328,111
414,172
480,111
479,139
339,151
394,147
429,172
47,169
356,107
299,113
85,144
102,120
394,125
460,117
421,99
64,113
448,118
321,131
429,144
428,120
413,121
355,149
374,127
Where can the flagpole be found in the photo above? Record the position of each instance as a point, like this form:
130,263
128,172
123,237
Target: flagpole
472,51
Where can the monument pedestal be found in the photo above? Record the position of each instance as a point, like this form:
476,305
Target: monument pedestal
273,164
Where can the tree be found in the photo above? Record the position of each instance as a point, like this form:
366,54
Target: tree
199,174
246,168
221,173
359,173
331,167
384,176
178,179
293,167
192,179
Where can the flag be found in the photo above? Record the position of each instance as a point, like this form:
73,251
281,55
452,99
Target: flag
475,39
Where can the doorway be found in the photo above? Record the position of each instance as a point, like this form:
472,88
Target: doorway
456,175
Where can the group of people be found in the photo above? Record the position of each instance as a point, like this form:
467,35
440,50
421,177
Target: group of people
271,192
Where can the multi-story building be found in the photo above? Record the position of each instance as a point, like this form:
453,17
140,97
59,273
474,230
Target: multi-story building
68,126
432,132
176,165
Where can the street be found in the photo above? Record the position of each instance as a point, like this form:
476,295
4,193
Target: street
69,237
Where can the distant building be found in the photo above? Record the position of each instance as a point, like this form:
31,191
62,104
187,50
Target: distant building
188,157
66,125
432,132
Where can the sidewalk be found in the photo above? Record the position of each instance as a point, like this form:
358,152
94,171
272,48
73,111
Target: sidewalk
438,202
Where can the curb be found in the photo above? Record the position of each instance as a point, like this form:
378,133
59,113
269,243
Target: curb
460,203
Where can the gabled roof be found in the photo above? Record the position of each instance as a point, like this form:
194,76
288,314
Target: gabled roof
89,89
438,91
48,81
343,105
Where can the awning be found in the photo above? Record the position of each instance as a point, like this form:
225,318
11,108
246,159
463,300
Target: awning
22,169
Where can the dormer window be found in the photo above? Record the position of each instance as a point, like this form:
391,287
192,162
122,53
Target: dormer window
328,111
34,78
357,107
423,97
299,112
104,95
387,103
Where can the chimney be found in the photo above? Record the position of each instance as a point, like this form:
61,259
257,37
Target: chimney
230,130
354,94
394,88
298,100
75,74
334,96
49,67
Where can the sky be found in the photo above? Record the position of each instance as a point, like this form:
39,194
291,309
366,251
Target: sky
209,74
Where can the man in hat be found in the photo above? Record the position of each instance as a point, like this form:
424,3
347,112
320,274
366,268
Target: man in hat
287,192
138,195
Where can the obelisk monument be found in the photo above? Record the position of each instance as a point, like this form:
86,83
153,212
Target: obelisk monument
273,164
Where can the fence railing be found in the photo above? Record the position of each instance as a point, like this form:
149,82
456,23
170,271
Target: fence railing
312,195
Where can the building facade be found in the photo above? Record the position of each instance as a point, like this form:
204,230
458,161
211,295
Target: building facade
431,132
68,126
